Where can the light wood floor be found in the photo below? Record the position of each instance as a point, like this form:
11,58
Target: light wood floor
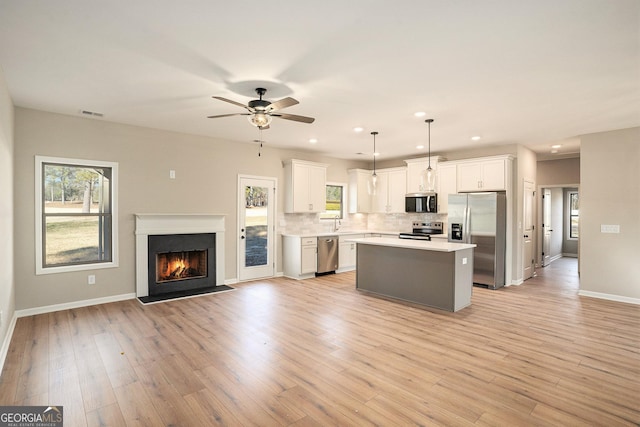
319,353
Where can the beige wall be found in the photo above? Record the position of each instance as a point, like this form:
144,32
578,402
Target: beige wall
610,194
7,282
559,172
206,182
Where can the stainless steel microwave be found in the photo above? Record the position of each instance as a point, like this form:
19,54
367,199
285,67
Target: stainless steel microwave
421,202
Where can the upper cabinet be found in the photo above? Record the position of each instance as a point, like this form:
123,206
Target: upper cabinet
390,191
305,186
359,199
488,174
447,183
416,173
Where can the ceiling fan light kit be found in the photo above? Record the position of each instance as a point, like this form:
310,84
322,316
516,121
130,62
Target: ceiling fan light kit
261,112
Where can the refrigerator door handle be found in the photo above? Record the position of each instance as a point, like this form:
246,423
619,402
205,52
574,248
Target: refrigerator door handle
467,223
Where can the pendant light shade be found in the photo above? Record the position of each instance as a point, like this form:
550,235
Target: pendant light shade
429,173
373,179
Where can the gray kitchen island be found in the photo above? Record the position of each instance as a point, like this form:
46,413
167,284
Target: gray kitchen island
436,274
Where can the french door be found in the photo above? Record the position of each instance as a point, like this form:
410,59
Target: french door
256,227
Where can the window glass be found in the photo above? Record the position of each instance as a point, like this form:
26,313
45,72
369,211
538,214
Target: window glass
334,207
574,215
76,213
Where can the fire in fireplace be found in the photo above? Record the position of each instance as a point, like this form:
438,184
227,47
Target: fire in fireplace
180,265
181,262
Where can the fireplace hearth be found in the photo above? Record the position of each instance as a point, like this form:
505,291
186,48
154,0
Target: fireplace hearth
179,254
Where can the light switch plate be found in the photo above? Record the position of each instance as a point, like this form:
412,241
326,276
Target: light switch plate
610,228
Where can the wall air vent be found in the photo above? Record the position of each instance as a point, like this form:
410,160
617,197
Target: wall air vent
91,113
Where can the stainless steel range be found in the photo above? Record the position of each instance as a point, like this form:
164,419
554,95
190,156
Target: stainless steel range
423,231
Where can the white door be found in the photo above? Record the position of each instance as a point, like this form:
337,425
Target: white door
256,233
528,263
546,226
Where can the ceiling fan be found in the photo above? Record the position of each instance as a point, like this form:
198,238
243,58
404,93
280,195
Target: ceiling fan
262,111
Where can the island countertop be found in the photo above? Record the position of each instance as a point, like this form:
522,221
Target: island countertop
439,246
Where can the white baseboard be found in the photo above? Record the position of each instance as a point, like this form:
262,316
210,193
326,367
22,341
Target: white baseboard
4,350
610,297
74,304
570,255
230,281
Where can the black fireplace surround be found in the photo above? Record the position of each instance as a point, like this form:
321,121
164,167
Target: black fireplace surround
176,244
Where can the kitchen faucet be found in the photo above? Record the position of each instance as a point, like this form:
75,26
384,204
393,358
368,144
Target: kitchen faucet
336,223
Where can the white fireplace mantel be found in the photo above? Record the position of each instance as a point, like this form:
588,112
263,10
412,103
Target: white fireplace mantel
150,224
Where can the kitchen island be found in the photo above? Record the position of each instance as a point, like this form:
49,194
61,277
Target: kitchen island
436,274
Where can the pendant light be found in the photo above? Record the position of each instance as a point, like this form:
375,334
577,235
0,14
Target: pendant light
430,174
373,179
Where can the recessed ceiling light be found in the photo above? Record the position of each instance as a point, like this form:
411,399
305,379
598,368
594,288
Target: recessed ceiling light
420,114
420,147
556,146
358,129
313,140
554,151
475,138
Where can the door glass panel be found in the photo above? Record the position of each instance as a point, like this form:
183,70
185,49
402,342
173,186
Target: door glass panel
256,246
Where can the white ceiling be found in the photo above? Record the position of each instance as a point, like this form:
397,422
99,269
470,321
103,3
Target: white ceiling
511,71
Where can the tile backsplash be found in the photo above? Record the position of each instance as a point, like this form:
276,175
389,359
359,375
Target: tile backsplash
302,223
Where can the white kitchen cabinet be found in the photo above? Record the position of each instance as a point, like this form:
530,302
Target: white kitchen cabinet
347,252
416,173
359,198
482,175
390,191
300,256
305,187
447,184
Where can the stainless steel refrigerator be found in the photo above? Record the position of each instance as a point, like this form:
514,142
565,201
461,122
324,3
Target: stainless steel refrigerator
481,218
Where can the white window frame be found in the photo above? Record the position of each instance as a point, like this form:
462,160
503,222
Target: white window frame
40,269
344,201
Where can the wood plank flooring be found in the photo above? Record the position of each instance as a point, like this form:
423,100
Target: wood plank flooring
280,352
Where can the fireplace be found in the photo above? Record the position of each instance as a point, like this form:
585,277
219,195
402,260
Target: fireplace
181,262
178,253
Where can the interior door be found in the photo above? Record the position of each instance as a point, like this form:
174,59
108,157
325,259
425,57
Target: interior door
528,262
546,226
256,234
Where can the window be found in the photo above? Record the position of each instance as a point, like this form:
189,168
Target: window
76,221
574,218
334,202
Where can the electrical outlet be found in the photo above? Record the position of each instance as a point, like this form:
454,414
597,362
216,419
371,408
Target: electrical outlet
91,279
172,174
464,261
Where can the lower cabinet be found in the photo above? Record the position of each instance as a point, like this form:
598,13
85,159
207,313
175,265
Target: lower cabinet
347,252
300,256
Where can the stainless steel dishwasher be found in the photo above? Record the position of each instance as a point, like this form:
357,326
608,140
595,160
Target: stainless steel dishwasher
327,254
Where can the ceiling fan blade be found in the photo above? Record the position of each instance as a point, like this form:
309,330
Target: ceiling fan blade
296,118
283,103
230,101
228,115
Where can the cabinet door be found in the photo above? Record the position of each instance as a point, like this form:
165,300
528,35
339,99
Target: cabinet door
493,172
346,255
469,177
380,201
317,191
416,176
447,180
300,184
308,259
397,188
359,199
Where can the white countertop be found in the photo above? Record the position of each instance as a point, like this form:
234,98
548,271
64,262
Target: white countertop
340,233
424,245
